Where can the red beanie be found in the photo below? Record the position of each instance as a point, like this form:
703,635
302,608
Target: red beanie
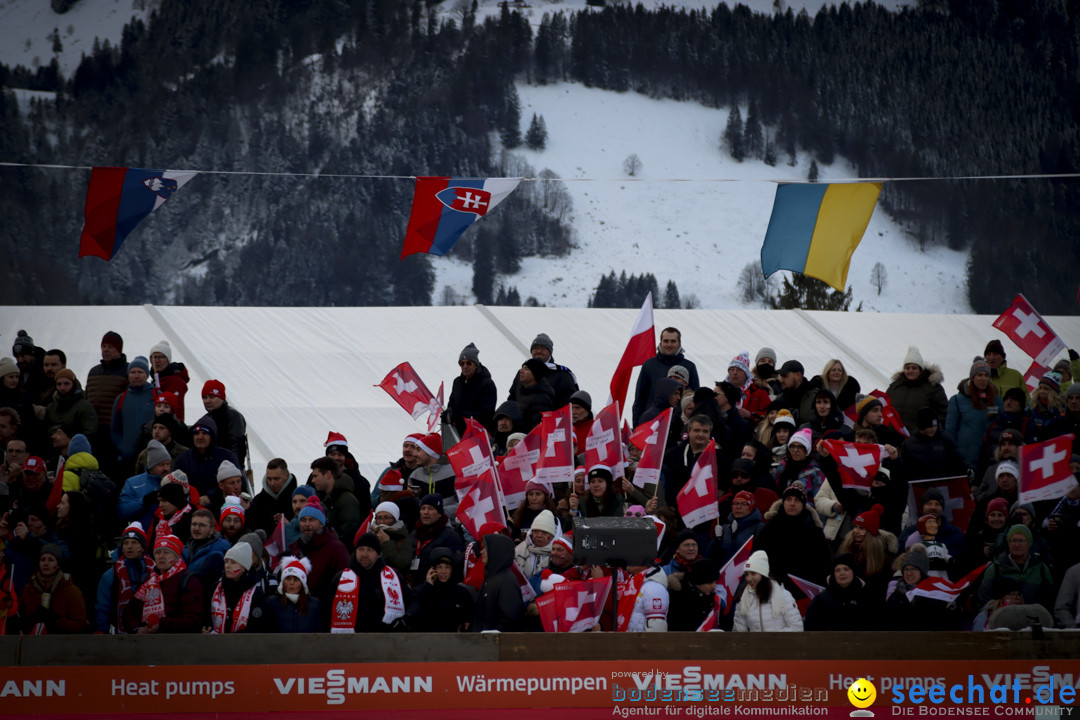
215,388
169,398
113,338
999,504
170,542
747,496
871,519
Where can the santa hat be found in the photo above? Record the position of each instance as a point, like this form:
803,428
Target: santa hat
135,531
566,541
412,439
871,519
741,361
171,543
334,438
294,567
538,485
549,579
215,388
391,481
232,507
431,444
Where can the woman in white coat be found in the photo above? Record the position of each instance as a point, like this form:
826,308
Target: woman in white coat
765,604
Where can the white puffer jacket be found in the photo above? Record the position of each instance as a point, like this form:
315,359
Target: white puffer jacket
779,615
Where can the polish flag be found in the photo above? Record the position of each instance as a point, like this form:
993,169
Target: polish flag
941,589
1045,472
275,544
858,462
556,464
480,505
697,499
1029,331
603,446
651,437
580,603
408,390
641,347
732,572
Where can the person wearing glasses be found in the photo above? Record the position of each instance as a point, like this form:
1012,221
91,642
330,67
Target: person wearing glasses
473,394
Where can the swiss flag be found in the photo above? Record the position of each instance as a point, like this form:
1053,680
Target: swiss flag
545,604
697,499
709,623
732,572
580,603
959,505
275,544
57,492
942,589
651,437
408,390
858,462
556,464
891,418
603,445
628,588
435,408
1034,374
366,524
519,467
471,457
1029,331
480,505
641,347
851,415
1045,473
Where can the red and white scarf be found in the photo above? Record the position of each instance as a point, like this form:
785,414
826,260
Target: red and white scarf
240,614
126,590
629,587
150,593
163,526
347,598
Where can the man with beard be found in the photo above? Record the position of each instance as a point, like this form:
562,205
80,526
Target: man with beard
321,546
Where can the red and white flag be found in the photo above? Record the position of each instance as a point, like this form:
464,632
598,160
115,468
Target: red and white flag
580,603
556,464
545,604
697,498
941,589
641,347
518,468
275,544
1034,374
471,457
480,505
603,446
891,418
367,523
810,590
709,623
851,415
858,462
959,504
409,391
1029,331
435,410
732,572
651,437
1045,472
627,589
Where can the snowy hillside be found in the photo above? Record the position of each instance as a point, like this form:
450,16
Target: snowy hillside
681,218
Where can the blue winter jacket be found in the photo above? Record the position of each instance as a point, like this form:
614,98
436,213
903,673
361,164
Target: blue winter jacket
130,504
132,409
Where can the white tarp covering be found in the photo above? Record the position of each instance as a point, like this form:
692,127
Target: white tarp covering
297,373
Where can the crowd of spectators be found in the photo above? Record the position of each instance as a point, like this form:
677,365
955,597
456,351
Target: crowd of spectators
121,516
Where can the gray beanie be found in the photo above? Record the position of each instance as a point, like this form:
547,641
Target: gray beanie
471,354
156,453
1074,389
765,352
916,557
583,399
543,341
241,553
256,541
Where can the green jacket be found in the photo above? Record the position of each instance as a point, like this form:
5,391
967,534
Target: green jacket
1005,377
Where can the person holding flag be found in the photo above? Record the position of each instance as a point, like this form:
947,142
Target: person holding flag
905,610
695,597
602,500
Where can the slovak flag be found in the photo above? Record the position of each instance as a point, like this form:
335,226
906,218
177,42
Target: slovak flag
275,544
556,464
732,572
697,498
941,589
580,603
603,446
409,391
651,437
641,347
118,199
858,462
480,505
1029,331
1045,473
444,207
519,467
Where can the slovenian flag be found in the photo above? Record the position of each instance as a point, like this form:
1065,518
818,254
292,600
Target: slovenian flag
118,199
815,228
443,208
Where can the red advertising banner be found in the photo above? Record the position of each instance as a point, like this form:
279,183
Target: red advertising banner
817,688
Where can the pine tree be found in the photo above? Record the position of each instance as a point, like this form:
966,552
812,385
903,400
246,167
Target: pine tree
536,136
812,176
807,293
511,125
753,133
483,273
671,296
733,134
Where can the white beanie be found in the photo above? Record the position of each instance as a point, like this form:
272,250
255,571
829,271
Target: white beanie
241,553
227,470
294,567
389,507
545,521
164,348
914,357
1006,466
758,562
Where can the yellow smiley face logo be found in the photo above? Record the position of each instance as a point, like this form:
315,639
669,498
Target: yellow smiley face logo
862,693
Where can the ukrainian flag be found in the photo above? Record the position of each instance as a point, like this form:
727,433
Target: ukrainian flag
815,228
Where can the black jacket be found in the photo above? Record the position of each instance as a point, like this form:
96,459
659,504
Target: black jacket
500,605
473,398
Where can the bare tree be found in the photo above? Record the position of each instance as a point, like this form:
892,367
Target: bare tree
632,165
752,284
878,276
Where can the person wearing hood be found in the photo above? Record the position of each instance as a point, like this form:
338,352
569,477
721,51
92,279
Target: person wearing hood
169,376
918,385
560,379
369,595
202,461
51,604
441,603
432,530
236,604
844,604
739,526
834,378
232,427
132,409
79,459
393,536
793,538
70,406
533,553
533,393
669,353
764,605
499,605
508,421
929,452
667,393
971,409
294,609
131,567
473,394
274,501
695,597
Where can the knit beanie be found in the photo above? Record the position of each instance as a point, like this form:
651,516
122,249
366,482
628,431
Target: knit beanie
1000,505
926,418
389,507
795,491
368,540
215,388
176,476
537,367
65,373
435,501
543,341
994,346
758,562
226,471
240,553
232,507
305,490
865,405
174,494
741,362
52,549
256,540
1006,467
1051,379
583,399
917,558
470,353
1020,530
79,444
134,531
140,363
313,509
544,522
978,365
914,357
113,338
802,437
871,519
747,497
170,543
24,344
765,352
156,453
784,417
933,494
680,372
702,572
164,348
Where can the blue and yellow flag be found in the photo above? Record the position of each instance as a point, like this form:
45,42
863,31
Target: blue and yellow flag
815,228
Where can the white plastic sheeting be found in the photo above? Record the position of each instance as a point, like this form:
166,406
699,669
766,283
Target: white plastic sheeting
297,373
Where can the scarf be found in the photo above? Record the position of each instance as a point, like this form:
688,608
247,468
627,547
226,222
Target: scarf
39,583
240,614
347,600
628,589
426,533
150,593
164,526
126,590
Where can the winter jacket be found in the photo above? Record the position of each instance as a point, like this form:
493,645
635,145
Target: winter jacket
175,450
499,605
689,607
932,457
66,613
948,535
104,384
260,515
474,398
1067,605
1004,377
531,558
371,603
424,538
837,608
968,424
560,379
907,396
73,468
206,559
735,534
846,394
259,620
780,615
440,607
328,557
807,472
1036,582
795,544
131,505
396,548
678,463
533,401
654,369
825,502
131,410
343,509
662,390
108,589
919,612
800,400
73,408
287,617
439,479
174,378
232,431
183,596
201,467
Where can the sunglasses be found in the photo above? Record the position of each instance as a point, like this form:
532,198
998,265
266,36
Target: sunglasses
633,513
